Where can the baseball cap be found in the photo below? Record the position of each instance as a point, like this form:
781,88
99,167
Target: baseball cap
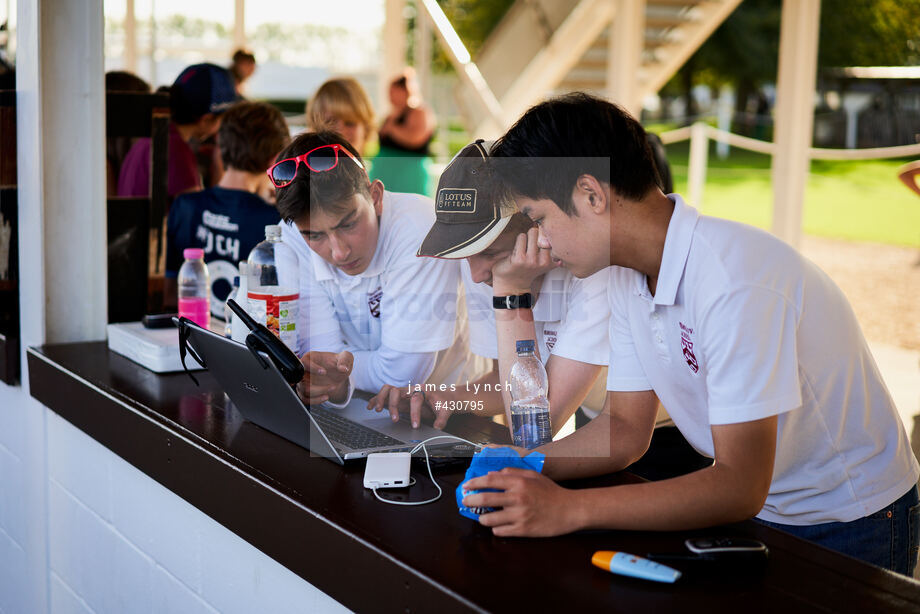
470,210
201,89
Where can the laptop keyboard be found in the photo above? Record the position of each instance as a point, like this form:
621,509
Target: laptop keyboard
347,432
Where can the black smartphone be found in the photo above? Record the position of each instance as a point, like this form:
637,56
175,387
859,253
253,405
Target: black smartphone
727,548
158,320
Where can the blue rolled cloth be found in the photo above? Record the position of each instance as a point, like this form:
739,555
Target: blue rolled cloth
494,459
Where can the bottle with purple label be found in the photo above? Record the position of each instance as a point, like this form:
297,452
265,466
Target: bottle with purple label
195,288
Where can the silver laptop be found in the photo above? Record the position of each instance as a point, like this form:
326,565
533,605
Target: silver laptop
259,391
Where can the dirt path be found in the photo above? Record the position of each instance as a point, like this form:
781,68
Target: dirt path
882,283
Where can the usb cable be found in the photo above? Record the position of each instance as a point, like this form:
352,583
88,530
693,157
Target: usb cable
424,448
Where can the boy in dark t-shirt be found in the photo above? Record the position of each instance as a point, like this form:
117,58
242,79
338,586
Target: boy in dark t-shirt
228,220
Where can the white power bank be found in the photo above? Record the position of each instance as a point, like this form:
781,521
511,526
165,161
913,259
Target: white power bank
387,470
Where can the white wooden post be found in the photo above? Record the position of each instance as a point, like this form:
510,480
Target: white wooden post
153,45
624,54
795,92
239,25
726,108
62,229
699,159
130,37
394,50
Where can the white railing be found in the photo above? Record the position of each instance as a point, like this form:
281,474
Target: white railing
699,134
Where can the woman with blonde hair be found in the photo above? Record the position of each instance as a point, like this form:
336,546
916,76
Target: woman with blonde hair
342,105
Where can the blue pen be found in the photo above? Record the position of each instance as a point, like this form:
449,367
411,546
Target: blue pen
632,565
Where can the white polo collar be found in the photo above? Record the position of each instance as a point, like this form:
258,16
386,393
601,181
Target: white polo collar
324,271
674,257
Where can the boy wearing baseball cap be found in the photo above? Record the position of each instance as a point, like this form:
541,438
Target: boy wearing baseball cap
371,313
531,297
197,98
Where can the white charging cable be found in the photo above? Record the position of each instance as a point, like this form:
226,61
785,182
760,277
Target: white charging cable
430,474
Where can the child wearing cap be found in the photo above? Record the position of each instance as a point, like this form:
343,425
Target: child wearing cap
197,98
371,313
754,351
228,220
566,316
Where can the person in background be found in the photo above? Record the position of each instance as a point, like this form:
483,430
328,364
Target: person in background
403,162
372,312
207,152
197,98
228,220
117,148
754,350
241,68
341,105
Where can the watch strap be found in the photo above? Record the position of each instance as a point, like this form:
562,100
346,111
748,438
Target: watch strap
515,301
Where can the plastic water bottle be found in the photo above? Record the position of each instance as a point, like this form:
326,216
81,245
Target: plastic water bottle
195,288
530,424
274,286
228,313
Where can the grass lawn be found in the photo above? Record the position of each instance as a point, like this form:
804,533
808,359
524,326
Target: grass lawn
858,200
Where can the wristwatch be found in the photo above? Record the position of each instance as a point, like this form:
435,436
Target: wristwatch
515,301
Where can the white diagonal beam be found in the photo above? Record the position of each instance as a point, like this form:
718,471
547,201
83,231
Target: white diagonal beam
567,45
712,14
465,67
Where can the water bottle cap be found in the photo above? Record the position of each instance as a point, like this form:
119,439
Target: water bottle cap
272,231
192,253
524,346
244,267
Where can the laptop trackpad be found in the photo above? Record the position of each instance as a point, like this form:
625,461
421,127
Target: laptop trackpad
380,421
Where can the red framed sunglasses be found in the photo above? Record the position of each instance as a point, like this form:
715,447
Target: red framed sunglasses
319,160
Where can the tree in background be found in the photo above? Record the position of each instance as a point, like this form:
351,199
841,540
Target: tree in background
743,51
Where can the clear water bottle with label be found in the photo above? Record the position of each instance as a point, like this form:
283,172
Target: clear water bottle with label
274,286
195,288
530,423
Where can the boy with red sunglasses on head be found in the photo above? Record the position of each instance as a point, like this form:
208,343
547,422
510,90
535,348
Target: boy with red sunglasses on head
371,312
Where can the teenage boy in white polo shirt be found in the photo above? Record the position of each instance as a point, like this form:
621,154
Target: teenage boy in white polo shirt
566,316
363,292
754,351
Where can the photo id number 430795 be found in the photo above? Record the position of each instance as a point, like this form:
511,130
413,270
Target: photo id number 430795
458,405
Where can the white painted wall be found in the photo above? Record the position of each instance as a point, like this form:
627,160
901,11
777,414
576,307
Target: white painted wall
117,541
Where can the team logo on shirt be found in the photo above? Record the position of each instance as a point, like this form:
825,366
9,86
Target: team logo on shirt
373,302
550,338
686,344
